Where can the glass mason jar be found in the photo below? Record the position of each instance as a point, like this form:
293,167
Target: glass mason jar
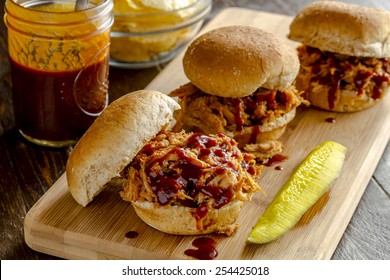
59,66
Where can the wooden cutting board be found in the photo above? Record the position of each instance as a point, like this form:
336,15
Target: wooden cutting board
57,225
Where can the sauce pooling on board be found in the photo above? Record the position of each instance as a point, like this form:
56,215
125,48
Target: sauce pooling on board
205,249
331,120
275,159
131,234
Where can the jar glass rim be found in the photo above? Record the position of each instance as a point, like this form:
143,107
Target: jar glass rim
15,11
45,24
28,4
163,13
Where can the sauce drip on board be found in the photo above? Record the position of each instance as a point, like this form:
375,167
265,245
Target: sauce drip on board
206,249
131,234
275,159
330,120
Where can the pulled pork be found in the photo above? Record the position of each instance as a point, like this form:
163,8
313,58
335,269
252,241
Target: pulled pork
192,170
364,75
213,114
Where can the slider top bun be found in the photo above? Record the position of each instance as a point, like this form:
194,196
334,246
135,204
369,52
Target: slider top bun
234,61
343,28
114,139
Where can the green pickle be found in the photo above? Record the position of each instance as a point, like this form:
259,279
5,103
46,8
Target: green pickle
308,183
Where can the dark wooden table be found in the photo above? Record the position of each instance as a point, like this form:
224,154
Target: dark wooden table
27,171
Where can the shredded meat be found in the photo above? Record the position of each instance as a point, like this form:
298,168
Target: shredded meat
193,170
265,150
213,114
366,75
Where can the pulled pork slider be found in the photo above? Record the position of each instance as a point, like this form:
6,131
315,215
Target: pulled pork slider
177,182
241,84
344,55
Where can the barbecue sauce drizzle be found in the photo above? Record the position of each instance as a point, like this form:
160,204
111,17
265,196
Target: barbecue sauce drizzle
185,174
335,80
249,104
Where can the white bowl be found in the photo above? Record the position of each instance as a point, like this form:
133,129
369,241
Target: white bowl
142,40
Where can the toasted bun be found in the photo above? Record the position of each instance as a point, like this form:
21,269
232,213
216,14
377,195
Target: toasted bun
343,28
179,219
114,139
268,131
234,61
349,101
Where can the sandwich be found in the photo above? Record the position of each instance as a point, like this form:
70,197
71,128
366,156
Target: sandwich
241,84
177,182
344,55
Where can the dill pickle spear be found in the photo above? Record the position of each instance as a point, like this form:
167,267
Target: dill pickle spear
308,183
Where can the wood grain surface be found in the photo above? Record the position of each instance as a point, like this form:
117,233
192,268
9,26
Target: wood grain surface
57,225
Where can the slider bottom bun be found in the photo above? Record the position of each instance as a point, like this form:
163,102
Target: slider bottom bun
246,137
266,132
345,101
174,219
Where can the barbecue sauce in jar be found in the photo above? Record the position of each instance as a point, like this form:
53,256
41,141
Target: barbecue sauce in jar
59,67
67,111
